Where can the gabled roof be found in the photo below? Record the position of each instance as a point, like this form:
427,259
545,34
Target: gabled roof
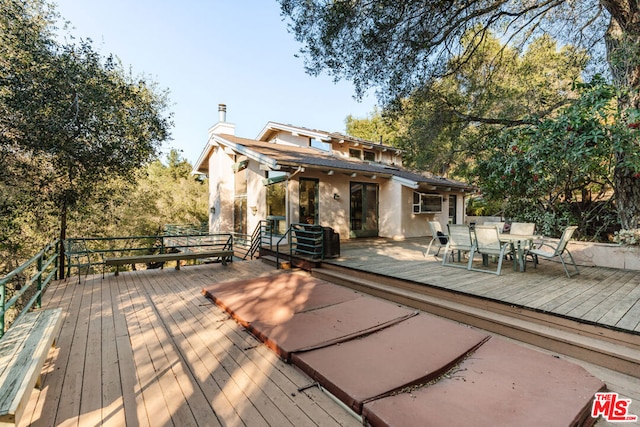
286,157
274,127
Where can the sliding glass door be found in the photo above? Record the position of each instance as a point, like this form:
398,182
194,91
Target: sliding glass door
364,209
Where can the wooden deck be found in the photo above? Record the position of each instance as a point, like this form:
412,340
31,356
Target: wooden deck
603,296
147,349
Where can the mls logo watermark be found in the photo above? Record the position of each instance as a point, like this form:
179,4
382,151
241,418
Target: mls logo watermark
612,408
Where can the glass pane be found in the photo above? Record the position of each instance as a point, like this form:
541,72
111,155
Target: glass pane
355,153
240,215
276,197
371,207
453,208
370,156
309,201
364,210
356,206
276,206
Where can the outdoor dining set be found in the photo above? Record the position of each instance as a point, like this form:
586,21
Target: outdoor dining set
496,240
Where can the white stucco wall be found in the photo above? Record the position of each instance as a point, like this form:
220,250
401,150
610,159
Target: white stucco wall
220,191
396,218
256,196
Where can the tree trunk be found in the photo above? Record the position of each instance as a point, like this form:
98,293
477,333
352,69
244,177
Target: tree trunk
623,54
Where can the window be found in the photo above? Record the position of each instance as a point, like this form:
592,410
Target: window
277,201
453,209
370,156
355,153
240,202
324,146
426,203
309,191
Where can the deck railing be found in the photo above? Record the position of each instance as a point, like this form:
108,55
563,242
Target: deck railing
301,240
89,253
30,279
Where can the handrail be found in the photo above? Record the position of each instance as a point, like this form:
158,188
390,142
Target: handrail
191,229
45,270
108,246
303,239
256,239
286,234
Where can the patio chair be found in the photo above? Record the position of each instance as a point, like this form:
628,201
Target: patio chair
459,240
499,225
437,236
525,229
557,250
487,242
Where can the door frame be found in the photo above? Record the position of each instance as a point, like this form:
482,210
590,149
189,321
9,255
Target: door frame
363,209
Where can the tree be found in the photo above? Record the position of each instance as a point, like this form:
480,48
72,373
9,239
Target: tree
405,44
374,127
160,194
443,127
560,170
79,115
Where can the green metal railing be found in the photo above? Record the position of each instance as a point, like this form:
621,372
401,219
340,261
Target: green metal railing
90,252
184,229
33,276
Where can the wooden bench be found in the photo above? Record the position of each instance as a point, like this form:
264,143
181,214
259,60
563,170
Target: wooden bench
23,350
224,255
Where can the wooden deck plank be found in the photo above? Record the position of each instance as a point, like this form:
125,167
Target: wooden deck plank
630,320
91,397
68,408
164,360
118,372
612,294
132,393
623,305
158,324
61,296
271,412
195,350
155,405
546,288
164,307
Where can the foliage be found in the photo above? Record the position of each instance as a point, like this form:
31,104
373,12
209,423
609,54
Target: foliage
374,128
70,121
441,127
403,45
161,194
628,237
479,206
559,170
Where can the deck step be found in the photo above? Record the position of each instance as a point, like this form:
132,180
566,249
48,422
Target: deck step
603,347
272,261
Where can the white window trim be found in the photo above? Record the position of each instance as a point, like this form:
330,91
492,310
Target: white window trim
420,208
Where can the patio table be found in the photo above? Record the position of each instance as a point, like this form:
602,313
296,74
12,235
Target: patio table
517,240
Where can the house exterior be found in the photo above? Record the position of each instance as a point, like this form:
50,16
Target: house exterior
292,174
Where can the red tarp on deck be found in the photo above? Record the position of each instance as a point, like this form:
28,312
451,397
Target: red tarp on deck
415,351
363,349
501,384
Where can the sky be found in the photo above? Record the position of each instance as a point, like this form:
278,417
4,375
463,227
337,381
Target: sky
233,52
